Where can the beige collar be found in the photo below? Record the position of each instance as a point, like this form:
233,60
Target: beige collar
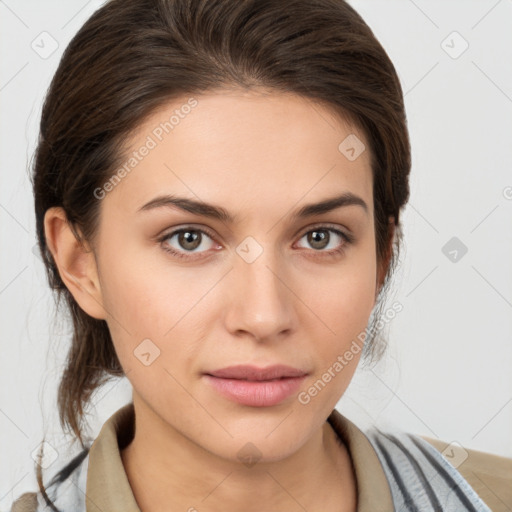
108,487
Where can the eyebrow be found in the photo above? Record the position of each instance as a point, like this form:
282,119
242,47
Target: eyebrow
221,214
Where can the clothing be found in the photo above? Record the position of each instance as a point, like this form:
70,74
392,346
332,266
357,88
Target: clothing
394,471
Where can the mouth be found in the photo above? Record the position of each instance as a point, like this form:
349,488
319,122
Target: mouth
256,387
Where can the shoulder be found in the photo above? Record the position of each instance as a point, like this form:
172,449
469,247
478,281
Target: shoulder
488,474
420,477
66,489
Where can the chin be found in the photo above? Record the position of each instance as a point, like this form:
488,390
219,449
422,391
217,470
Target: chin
269,441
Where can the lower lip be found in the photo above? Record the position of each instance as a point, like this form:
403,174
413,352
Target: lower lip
256,393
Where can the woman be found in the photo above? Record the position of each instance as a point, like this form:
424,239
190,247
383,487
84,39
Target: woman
218,187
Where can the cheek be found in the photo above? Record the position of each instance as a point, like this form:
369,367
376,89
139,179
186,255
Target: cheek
343,304
152,300
344,298
132,295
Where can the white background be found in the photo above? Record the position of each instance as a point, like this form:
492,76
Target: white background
447,373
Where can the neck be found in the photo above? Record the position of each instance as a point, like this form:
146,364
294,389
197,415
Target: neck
166,470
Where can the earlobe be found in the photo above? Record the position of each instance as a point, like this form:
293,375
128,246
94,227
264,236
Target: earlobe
75,262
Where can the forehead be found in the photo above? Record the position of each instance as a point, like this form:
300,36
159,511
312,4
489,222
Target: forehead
257,149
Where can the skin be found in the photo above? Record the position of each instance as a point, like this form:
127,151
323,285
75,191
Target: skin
260,156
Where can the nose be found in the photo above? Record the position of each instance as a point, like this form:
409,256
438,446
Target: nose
262,303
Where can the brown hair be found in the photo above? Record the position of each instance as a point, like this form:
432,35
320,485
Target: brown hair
133,56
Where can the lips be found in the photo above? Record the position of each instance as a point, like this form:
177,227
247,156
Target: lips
256,387
252,373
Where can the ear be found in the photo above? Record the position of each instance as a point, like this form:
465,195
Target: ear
384,264
75,262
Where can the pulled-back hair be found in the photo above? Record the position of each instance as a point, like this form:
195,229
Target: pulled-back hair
132,57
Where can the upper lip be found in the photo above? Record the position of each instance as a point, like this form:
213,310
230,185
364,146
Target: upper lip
248,372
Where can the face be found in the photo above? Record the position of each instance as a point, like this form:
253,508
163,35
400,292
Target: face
190,290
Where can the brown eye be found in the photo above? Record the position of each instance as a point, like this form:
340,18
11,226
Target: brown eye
319,238
326,239
187,241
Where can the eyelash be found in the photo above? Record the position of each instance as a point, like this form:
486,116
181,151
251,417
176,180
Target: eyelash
347,240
